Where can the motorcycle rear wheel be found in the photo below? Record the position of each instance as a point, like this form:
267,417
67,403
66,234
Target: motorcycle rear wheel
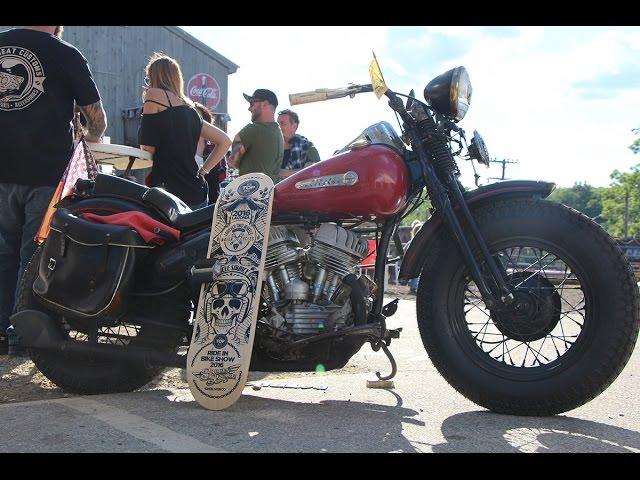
571,335
86,375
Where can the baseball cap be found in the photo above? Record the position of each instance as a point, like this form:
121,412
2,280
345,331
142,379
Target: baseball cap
263,94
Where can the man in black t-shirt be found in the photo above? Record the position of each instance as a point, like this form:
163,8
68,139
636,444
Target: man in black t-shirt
42,79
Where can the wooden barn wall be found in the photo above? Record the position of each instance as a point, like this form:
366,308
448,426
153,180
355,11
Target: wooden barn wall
117,56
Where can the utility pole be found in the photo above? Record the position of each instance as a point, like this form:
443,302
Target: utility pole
504,163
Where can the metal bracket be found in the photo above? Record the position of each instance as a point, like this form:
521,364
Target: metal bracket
390,308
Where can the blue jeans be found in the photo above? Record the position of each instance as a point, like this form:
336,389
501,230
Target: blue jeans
21,210
413,284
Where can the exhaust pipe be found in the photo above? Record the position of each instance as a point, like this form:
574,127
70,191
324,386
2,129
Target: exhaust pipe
36,329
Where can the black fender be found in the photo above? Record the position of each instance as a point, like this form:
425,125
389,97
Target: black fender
416,254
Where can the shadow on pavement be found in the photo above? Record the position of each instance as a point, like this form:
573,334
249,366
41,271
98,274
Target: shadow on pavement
490,432
258,424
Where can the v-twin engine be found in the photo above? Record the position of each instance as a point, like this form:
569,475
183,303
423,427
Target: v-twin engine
304,272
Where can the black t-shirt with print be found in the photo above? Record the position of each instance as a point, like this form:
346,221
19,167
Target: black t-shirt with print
41,77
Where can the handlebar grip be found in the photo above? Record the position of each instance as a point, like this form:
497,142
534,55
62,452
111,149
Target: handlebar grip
307,97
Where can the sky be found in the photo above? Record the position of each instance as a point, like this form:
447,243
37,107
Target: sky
561,101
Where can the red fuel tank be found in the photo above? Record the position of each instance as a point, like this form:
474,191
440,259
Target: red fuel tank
377,190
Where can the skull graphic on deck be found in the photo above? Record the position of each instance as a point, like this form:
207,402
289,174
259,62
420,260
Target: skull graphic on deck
227,303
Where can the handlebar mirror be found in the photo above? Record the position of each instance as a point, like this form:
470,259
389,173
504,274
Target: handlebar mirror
412,96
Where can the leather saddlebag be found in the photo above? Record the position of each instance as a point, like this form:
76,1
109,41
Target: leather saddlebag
86,269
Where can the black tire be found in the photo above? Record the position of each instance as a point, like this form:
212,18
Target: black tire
90,376
600,336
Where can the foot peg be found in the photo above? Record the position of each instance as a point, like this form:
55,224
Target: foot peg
204,271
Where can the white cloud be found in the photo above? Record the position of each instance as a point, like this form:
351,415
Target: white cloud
525,102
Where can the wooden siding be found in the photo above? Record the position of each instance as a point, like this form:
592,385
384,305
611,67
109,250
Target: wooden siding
117,56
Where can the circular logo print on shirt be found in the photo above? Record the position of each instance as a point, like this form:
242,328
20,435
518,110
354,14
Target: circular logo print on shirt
21,78
248,188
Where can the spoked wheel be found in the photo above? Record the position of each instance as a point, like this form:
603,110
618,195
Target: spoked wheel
86,374
546,318
565,337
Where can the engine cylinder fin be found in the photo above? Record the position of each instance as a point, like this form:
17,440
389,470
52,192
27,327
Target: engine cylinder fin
334,259
282,248
279,255
308,319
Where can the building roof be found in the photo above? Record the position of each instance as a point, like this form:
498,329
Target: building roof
208,51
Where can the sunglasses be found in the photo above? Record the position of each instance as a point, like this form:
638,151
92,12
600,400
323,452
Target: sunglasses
233,303
232,288
254,101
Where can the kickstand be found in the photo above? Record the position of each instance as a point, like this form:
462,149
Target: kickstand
384,382
394,367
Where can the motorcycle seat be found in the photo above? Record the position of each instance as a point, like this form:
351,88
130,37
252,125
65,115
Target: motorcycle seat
178,213
112,185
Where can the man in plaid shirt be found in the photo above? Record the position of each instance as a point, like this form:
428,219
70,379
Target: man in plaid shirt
299,152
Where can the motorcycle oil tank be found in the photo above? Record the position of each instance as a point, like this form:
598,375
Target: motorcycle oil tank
371,181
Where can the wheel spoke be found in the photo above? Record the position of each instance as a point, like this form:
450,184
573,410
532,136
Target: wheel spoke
534,273
120,334
541,274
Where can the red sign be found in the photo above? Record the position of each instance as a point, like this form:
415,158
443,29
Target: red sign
203,88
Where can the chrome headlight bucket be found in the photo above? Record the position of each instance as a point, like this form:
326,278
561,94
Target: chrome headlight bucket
450,93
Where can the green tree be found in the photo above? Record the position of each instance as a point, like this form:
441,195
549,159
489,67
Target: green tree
582,197
421,213
635,146
621,203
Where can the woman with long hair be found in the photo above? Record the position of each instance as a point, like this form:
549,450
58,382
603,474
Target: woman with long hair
170,129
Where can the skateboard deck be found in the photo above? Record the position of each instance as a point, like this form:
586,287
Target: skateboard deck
225,323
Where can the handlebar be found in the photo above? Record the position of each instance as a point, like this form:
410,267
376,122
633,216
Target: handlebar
322,94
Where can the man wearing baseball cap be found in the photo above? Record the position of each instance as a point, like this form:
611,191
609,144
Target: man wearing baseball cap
259,146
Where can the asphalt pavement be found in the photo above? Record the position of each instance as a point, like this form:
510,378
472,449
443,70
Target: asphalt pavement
334,412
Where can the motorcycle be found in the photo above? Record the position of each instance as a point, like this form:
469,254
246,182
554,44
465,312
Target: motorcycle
525,306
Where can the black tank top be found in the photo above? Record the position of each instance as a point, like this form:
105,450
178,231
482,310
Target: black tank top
174,133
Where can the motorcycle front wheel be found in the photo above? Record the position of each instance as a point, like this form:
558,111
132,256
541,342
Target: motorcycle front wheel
569,332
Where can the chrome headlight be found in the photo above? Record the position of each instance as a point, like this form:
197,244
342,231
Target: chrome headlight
450,93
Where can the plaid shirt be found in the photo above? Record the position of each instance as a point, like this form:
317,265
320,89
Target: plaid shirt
296,156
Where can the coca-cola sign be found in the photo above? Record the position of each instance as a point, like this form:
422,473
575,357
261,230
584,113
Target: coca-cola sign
203,88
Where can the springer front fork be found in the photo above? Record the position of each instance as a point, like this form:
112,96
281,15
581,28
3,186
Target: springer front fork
500,294
492,297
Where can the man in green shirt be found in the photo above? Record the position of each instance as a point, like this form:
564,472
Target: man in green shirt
259,146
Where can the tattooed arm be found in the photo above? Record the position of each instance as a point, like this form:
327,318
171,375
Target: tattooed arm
96,121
